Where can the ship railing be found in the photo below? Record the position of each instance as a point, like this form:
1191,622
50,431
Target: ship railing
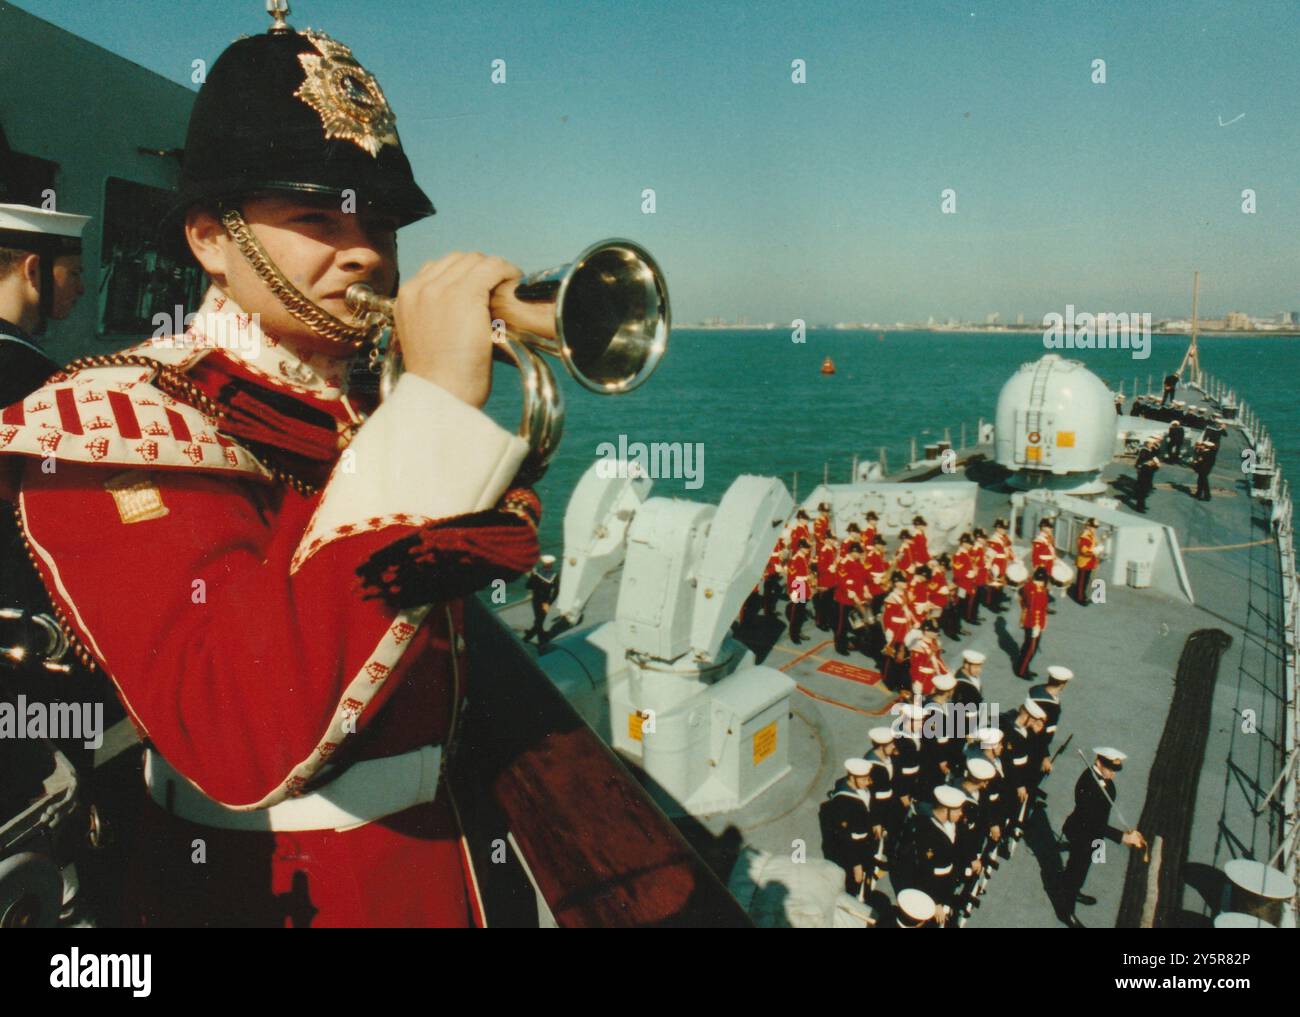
560,831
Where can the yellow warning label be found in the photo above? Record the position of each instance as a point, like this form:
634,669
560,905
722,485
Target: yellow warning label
634,722
764,742
1033,453
1065,439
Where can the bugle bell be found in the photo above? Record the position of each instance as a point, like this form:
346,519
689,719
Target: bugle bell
611,327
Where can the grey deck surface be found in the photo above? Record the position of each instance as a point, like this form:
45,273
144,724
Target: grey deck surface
1124,654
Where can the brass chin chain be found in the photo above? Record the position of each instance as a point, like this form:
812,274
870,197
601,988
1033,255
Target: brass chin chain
174,383
321,322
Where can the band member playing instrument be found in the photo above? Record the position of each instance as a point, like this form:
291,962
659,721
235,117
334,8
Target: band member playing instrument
798,582
1042,553
1086,561
850,593
1003,555
903,561
1033,619
897,620
965,575
872,531
920,549
927,659
983,558
827,577
287,636
772,577
821,526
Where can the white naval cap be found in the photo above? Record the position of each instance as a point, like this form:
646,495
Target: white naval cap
547,559
950,797
1059,674
973,656
881,735
857,766
981,769
30,219
1112,756
1034,710
916,904
988,737
945,682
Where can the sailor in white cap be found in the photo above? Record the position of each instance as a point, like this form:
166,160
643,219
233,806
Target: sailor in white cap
40,280
848,825
944,731
1094,794
543,583
986,743
1022,745
909,750
973,828
891,806
930,856
1048,696
969,689
914,909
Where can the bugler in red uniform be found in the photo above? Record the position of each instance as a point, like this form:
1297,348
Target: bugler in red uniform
1033,619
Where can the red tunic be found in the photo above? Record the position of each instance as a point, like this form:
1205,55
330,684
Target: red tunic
965,571
1003,554
980,558
798,577
227,611
821,527
1033,606
1087,557
1042,554
926,662
938,590
826,571
852,582
877,573
919,549
897,619
774,561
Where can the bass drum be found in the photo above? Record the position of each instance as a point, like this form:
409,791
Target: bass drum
1062,573
1017,574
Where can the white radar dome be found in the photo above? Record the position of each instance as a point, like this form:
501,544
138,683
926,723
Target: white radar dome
1056,424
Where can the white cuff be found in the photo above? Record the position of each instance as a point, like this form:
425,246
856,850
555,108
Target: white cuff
422,456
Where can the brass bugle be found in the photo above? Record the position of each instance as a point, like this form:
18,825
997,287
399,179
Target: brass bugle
611,330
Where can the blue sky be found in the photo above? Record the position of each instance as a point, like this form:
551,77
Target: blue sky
822,200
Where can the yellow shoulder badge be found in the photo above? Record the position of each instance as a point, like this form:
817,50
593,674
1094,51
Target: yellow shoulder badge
137,497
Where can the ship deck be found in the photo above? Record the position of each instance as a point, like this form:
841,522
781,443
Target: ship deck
1124,654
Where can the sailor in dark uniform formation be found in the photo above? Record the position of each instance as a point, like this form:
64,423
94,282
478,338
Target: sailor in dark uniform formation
930,858
543,583
40,281
909,761
1174,440
1206,452
943,744
1048,696
986,744
1094,793
1022,756
969,691
848,825
973,829
891,806
1146,465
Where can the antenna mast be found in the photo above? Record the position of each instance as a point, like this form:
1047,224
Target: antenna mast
1192,357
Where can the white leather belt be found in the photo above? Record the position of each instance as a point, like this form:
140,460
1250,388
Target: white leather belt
882,795
944,871
909,770
364,792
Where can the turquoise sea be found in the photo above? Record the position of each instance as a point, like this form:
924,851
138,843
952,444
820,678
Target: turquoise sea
757,403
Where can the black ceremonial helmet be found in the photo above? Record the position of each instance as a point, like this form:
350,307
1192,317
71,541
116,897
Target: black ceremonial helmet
295,112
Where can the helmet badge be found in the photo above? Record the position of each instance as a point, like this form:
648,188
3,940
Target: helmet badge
346,96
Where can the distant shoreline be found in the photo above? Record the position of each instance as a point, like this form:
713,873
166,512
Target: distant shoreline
1241,333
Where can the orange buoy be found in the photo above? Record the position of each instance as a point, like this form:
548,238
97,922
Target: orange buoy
828,366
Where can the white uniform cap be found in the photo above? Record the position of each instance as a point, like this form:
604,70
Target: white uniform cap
1034,710
981,769
881,735
1059,674
916,904
857,767
945,682
1110,755
548,559
949,797
988,737
972,656
30,219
